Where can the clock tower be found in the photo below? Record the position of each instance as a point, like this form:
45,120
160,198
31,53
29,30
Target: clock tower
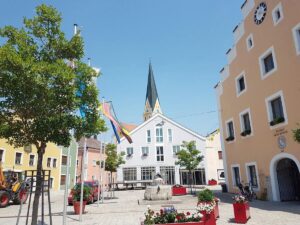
152,105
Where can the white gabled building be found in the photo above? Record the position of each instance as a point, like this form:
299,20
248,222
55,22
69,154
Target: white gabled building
155,143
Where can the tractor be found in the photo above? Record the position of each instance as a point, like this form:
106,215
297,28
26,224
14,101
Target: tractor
12,189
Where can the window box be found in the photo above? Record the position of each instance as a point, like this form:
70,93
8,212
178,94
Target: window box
230,138
129,155
145,154
245,133
277,121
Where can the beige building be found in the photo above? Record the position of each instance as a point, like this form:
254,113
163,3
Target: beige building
258,100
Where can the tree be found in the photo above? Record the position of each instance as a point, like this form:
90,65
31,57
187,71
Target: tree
189,157
113,159
40,93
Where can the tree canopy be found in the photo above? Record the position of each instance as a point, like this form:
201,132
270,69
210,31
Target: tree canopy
40,93
189,157
113,160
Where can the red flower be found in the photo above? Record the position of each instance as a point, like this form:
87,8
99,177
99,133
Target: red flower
178,217
161,211
188,213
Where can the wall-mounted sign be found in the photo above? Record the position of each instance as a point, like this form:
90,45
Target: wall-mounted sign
281,142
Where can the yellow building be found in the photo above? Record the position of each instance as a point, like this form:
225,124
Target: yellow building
258,100
19,160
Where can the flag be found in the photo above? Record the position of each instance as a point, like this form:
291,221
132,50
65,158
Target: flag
108,111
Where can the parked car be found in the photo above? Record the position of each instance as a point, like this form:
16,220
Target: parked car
93,195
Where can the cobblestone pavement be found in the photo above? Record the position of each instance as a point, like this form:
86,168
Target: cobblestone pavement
125,210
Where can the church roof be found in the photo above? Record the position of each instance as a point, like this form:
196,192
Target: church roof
151,95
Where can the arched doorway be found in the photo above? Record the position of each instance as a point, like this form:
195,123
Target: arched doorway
288,178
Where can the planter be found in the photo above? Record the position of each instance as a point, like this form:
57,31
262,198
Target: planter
212,182
216,209
208,219
180,190
186,223
241,212
76,206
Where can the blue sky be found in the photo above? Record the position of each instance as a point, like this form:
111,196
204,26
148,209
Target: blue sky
185,39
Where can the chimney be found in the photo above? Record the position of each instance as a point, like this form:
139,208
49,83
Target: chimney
75,28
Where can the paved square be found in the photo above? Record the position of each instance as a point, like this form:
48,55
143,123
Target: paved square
124,210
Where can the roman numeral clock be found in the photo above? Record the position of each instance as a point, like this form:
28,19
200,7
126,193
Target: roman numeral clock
260,13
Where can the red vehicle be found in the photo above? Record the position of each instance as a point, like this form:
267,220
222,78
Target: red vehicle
93,195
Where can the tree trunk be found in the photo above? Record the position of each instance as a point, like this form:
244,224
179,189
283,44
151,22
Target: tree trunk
39,183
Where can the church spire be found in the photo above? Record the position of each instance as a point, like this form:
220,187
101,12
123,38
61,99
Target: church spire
152,105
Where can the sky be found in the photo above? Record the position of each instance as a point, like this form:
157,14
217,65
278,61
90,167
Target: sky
186,41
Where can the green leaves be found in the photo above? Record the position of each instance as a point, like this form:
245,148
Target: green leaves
113,159
189,157
38,91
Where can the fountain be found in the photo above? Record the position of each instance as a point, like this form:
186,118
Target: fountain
158,190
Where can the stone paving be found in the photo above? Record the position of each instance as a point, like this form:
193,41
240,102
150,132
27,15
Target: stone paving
125,210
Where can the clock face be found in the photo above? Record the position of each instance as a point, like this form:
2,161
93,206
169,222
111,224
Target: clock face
260,13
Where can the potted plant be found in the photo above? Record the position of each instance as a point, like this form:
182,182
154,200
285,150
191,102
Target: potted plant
76,191
170,216
241,209
207,209
178,190
207,196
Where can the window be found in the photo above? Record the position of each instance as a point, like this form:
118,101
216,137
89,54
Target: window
94,162
277,14
276,109
159,153
267,63
145,151
296,34
129,174
230,131
220,155
102,164
249,42
1,155
64,160
252,175
176,148
148,173
31,160
77,162
63,180
245,123
170,136
18,159
168,174
236,175
159,135
148,136
48,162
54,163
240,84
129,151
103,148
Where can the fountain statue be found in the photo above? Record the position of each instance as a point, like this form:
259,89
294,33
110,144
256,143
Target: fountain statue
158,190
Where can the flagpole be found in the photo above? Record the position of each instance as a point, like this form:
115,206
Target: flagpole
66,188
83,165
100,174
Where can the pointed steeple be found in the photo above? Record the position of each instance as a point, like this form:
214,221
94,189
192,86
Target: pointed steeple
152,105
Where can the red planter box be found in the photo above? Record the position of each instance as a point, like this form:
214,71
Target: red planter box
208,219
241,212
216,209
187,223
212,182
178,190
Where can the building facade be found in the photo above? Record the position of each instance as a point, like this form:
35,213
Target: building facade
257,100
95,161
72,165
214,157
154,147
20,159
